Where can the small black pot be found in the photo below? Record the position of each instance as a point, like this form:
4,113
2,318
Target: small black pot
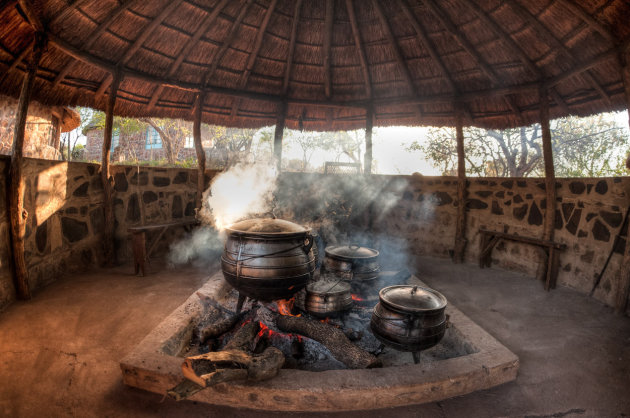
327,299
409,318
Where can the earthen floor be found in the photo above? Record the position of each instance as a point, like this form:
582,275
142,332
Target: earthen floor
59,353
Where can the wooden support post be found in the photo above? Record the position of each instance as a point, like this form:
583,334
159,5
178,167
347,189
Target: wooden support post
17,213
623,289
201,154
108,201
277,137
550,184
460,226
369,123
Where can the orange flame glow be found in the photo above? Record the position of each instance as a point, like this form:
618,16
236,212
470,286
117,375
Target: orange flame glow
357,298
285,306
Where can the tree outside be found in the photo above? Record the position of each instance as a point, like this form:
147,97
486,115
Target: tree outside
582,147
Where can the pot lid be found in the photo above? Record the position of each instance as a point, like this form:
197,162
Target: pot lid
409,298
350,252
267,227
325,287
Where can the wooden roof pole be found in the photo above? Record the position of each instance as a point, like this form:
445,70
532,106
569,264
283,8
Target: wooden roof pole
201,155
463,41
108,201
623,290
94,36
277,136
369,124
137,44
203,28
253,56
550,185
291,52
17,213
359,46
460,224
327,49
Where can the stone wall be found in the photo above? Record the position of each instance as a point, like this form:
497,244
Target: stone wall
421,212
42,129
147,196
64,202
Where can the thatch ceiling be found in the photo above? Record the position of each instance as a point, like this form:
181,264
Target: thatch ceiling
413,59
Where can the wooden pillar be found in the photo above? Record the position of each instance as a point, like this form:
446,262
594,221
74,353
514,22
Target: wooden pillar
369,124
623,289
460,226
108,202
201,155
277,137
550,190
17,214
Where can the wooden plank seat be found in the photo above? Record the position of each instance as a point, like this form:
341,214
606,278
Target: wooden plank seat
490,238
139,240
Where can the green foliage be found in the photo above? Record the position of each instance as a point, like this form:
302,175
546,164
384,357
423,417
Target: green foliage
582,147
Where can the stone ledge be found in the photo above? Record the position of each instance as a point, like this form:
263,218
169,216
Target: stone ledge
149,367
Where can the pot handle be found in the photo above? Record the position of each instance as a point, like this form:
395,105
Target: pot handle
308,243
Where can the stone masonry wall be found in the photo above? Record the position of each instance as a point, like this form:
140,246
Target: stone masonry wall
64,202
422,212
40,127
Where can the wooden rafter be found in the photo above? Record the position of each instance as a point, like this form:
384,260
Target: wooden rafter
423,38
95,35
514,47
254,54
442,98
327,47
140,40
470,49
65,12
32,16
17,61
216,58
593,23
203,28
360,49
394,46
291,52
555,44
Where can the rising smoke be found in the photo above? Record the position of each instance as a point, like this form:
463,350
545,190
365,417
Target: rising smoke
342,209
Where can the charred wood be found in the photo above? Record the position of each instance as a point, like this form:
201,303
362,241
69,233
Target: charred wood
333,338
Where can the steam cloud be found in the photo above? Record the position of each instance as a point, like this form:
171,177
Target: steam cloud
243,190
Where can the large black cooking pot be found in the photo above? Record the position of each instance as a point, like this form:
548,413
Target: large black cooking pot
409,318
268,259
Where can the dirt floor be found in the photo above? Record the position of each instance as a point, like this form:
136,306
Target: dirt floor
59,352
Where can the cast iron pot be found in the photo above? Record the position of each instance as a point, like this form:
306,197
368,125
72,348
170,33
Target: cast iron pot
409,318
325,299
352,262
268,259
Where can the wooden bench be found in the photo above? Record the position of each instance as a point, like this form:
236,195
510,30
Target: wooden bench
139,240
490,238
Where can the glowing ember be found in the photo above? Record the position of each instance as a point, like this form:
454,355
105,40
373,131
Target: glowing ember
285,306
357,298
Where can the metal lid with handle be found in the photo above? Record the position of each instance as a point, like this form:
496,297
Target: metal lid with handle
412,299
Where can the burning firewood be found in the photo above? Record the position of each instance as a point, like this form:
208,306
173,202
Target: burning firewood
235,362
333,338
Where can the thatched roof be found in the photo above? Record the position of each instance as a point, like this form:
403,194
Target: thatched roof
414,60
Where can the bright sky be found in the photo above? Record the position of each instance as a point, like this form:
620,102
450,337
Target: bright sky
389,149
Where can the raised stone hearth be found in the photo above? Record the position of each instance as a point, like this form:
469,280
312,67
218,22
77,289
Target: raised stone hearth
155,365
